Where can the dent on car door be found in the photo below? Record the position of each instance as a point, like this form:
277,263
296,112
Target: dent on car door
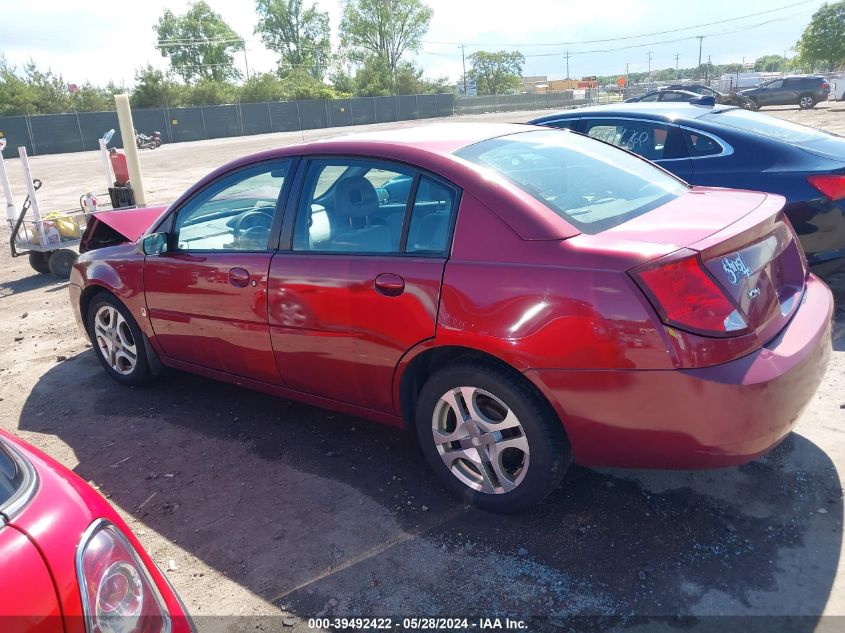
660,143
359,282
207,294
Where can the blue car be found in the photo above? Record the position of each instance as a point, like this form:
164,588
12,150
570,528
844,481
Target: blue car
725,146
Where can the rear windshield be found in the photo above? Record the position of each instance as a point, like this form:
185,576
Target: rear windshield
11,477
765,125
592,185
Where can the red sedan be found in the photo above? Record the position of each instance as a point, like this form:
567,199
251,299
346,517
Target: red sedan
69,562
520,297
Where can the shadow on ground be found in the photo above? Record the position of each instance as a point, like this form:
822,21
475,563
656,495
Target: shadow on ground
324,514
33,282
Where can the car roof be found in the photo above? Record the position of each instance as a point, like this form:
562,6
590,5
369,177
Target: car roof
437,138
650,110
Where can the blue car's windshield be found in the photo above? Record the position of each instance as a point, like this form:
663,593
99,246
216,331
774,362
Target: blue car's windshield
592,185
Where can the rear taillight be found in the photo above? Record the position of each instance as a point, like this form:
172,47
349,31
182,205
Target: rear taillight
687,297
831,185
825,85
118,595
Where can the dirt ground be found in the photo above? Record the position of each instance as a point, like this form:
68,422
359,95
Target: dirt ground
267,512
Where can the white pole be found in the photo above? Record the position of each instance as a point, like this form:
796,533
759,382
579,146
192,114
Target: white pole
104,154
11,209
127,131
30,187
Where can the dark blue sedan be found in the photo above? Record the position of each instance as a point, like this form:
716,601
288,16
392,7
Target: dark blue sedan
725,146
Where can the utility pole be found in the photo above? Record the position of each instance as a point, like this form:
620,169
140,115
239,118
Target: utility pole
464,65
246,62
700,42
567,64
649,65
677,56
627,83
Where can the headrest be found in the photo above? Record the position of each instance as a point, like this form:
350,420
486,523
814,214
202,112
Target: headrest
355,197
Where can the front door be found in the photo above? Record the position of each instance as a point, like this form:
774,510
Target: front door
207,295
360,284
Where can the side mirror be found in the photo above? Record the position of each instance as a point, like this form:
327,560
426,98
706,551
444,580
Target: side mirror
154,244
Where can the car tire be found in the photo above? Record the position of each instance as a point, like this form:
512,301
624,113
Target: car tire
499,469
806,102
118,341
61,262
753,105
40,262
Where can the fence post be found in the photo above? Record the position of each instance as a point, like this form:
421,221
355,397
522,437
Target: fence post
202,116
79,127
240,115
31,134
328,115
375,112
299,118
270,116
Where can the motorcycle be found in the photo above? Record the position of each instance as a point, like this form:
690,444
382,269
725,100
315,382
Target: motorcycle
147,142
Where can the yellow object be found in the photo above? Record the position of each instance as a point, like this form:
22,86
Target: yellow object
67,226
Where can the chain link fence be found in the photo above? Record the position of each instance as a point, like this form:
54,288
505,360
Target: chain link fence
80,131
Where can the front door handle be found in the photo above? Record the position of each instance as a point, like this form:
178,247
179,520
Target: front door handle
389,284
239,277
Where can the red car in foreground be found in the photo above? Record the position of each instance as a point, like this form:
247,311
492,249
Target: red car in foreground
519,296
68,562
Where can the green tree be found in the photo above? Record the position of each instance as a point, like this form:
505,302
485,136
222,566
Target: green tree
823,41
90,98
211,92
383,30
299,36
769,63
155,89
263,87
496,73
198,44
17,96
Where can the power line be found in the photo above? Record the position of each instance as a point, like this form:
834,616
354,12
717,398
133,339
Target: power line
633,37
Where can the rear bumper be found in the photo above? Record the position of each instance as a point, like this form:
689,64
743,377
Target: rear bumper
718,416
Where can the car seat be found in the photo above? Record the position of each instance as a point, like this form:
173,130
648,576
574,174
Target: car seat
355,202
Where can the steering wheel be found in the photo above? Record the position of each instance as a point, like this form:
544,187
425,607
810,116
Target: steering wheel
250,225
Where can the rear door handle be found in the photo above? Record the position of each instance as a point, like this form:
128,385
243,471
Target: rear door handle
239,277
389,284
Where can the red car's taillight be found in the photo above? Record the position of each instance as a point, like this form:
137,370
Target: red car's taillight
118,595
687,297
831,185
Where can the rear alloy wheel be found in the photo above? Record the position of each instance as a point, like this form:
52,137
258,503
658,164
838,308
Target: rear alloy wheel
490,438
40,262
118,340
806,102
61,262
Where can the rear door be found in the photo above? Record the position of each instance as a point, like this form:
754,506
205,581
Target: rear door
207,295
771,93
661,143
359,282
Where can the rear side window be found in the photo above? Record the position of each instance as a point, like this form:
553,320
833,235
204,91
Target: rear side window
700,144
431,216
593,186
675,96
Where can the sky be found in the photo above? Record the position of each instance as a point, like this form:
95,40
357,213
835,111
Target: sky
102,40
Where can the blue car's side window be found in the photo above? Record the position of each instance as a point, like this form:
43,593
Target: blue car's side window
701,145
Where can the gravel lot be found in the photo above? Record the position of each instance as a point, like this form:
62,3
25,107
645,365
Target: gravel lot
262,507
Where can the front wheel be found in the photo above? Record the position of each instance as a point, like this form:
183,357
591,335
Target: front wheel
490,438
752,105
806,102
118,341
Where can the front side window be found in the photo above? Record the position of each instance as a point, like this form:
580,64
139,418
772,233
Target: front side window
646,138
593,186
650,97
676,97
235,213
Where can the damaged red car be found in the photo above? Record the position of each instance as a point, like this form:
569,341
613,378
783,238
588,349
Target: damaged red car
519,297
